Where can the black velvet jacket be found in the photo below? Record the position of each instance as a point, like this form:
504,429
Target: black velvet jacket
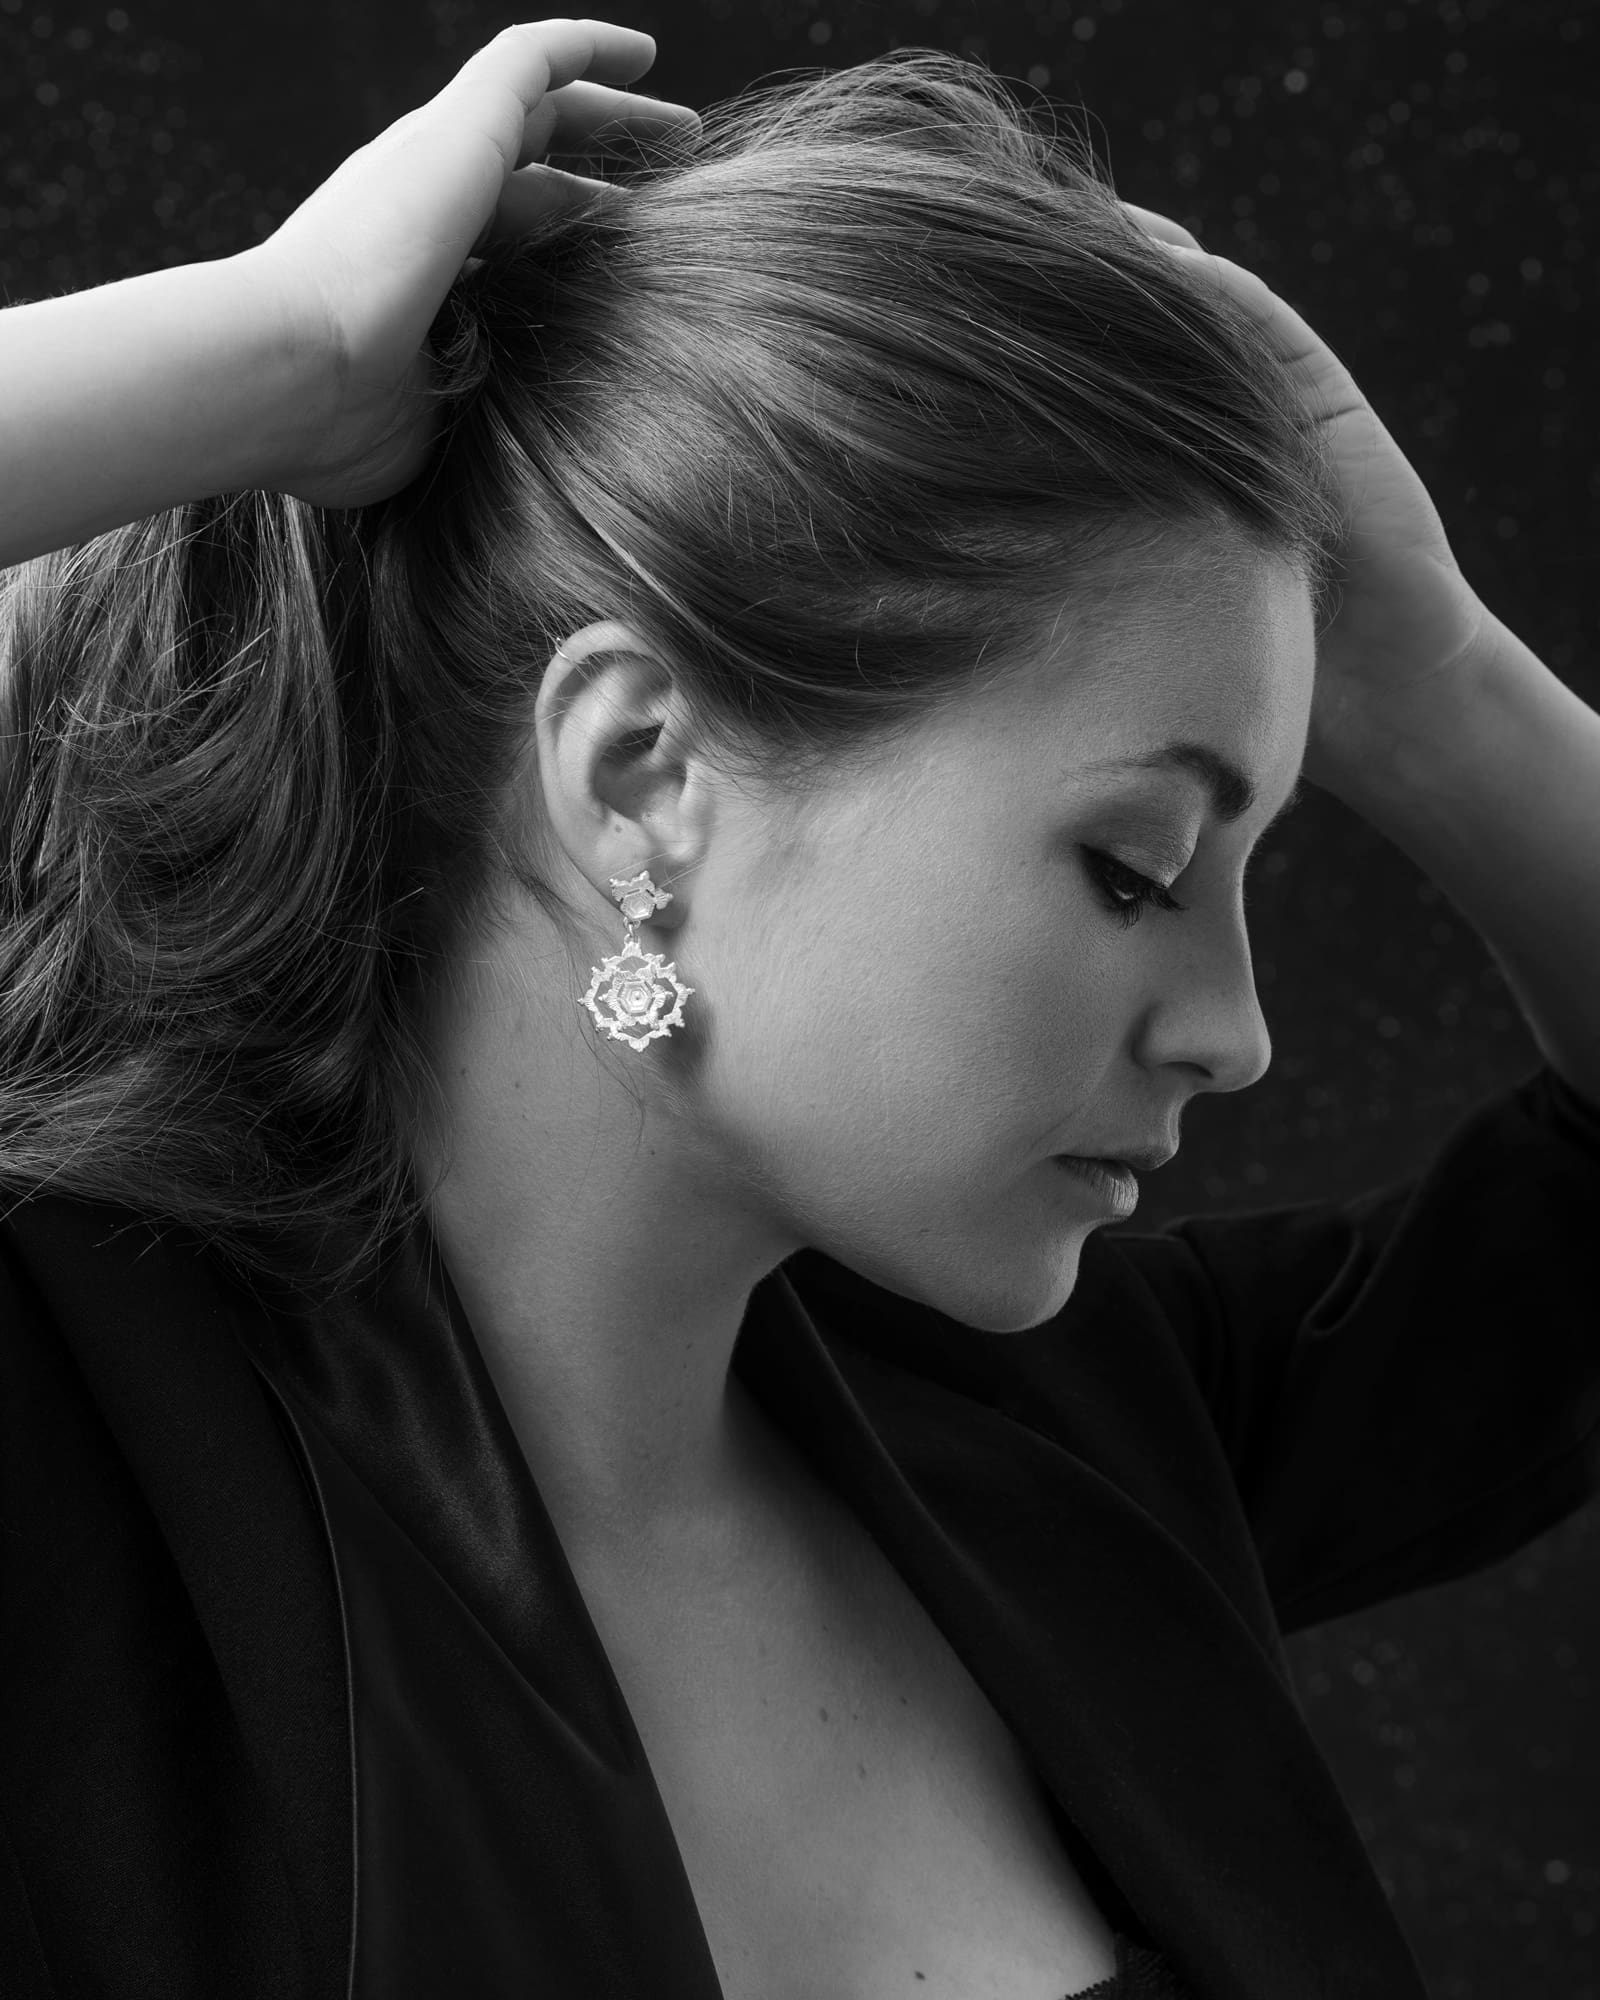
298,1695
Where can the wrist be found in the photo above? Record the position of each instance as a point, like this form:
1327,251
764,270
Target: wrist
1406,752
1497,800
1433,772
279,421
127,399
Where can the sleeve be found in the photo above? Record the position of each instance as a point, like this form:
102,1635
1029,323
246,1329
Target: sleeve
1406,1384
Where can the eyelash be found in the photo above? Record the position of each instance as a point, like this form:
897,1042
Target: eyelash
1111,874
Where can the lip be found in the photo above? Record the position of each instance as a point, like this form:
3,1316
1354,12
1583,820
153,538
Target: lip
1142,1159
1112,1180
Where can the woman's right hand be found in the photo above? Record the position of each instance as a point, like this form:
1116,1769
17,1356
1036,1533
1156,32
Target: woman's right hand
359,270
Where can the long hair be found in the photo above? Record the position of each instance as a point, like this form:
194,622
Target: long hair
832,405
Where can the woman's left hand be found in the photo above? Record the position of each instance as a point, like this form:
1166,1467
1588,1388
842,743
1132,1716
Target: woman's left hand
1403,637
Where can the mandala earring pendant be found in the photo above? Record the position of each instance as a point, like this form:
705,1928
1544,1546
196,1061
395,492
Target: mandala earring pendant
628,993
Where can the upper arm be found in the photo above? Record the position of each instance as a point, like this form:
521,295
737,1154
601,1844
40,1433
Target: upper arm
1406,1384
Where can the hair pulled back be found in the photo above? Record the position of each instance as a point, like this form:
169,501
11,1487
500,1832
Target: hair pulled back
829,405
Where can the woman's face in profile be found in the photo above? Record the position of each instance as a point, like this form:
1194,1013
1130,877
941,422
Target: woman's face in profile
924,986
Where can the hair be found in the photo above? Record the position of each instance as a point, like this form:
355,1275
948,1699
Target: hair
828,404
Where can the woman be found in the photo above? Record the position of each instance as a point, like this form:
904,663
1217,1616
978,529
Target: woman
615,852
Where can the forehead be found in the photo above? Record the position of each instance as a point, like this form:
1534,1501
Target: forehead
1200,646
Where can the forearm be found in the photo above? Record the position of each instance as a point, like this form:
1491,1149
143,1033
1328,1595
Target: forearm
133,397
1496,795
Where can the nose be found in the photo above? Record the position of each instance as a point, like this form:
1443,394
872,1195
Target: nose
1206,1017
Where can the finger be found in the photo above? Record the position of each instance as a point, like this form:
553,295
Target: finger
534,194
1291,335
501,86
1326,382
534,57
576,115
567,49
1162,226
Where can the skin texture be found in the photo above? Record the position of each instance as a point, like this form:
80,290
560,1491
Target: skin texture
910,992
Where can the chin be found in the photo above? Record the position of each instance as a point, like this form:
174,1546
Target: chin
1010,1295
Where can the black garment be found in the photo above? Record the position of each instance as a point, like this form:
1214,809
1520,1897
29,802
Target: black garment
298,1695
1140,1975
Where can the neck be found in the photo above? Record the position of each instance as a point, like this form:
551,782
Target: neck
606,1266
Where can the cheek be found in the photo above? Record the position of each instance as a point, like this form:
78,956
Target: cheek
905,1057
1053,1019
829,1037
896,1109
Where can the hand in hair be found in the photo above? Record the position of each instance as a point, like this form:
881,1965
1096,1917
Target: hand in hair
362,266
1432,719
1408,622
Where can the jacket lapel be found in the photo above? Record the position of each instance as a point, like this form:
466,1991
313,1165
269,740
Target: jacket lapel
1155,1715
511,1834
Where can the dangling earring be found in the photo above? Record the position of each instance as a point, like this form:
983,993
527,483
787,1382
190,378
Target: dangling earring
635,994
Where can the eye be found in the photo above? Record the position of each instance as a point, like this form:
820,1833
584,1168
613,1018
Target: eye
1126,892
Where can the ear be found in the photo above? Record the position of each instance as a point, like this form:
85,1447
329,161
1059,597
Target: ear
622,783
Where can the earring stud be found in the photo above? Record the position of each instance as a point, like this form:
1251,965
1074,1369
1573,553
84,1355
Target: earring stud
629,990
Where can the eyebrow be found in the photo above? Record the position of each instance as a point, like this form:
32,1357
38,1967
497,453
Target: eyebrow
1231,793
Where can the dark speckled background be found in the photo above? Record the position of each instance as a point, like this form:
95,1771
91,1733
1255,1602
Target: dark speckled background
1422,181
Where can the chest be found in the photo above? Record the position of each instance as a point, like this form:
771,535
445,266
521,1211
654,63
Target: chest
855,1818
